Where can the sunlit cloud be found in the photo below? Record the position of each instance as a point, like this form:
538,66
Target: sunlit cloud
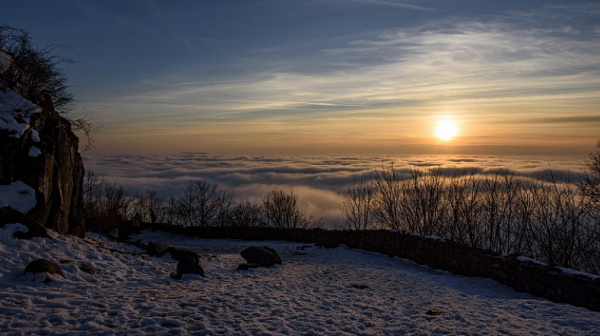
485,72
378,90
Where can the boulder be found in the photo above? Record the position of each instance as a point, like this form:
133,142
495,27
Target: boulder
245,267
126,229
88,269
263,256
187,267
43,266
182,254
157,249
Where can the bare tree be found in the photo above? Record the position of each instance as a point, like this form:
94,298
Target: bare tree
246,214
359,205
462,216
204,204
92,194
590,185
280,210
388,198
422,201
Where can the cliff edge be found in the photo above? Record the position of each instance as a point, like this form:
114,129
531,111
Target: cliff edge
41,169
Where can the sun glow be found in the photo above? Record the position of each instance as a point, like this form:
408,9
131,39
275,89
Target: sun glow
446,130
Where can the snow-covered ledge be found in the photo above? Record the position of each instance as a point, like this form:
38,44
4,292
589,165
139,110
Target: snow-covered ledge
522,274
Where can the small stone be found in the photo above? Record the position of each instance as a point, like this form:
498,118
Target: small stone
261,255
43,266
187,267
88,269
359,286
434,312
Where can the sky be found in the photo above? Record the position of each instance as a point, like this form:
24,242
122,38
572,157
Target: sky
328,76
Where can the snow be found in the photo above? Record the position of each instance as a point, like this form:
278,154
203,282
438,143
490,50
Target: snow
522,258
34,151
315,292
15,112
18,196
574,272
563,269
35,136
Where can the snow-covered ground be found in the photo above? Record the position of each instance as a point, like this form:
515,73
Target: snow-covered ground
313,293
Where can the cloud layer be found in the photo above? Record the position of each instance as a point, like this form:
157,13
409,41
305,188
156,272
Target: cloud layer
319,181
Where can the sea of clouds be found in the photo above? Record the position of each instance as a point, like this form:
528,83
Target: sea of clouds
319,181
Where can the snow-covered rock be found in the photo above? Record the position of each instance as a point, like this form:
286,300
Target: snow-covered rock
38,148
18,196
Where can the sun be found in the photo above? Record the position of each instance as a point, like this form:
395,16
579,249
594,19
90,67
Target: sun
446,129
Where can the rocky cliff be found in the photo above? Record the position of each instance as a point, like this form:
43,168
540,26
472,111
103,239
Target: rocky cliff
39,150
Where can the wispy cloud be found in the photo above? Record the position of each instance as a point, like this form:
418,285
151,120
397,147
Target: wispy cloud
481,69
595,119
392,3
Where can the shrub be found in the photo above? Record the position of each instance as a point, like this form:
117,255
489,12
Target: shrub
35,72
358,206
280,210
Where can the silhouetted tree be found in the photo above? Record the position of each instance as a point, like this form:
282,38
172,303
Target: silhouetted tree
590,186
246,214
358,206
280,210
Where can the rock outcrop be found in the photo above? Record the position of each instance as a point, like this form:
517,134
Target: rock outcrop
38,148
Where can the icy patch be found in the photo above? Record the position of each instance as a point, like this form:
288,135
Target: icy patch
35,136
18,196
15,112
34,151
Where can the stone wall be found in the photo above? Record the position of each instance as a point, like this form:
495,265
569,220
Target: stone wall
522,275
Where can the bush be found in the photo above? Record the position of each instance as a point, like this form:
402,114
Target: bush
358,206
35,72
246,214
590,186
280,210
204,204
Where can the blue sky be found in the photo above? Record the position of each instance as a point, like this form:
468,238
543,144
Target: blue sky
327,76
